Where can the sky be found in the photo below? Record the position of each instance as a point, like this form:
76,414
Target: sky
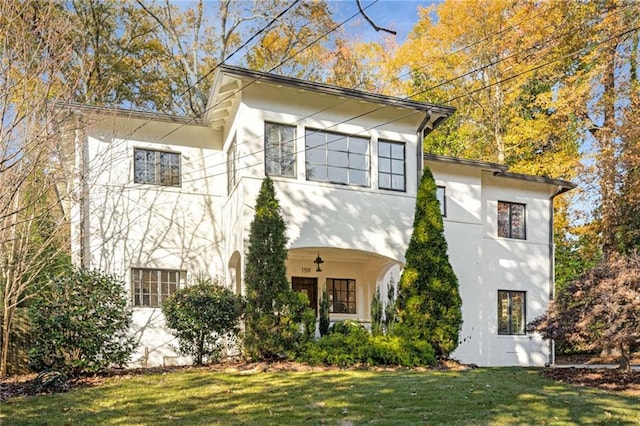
397,15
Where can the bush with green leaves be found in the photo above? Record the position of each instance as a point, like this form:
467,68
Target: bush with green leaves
81,324
324,322
377,310
203,316
429,303
349,343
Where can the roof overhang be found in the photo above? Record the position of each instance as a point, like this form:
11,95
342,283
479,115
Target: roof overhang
230,81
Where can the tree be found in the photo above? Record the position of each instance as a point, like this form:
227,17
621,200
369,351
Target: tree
34,53
601,308
429,303
202,315
82,324
274,312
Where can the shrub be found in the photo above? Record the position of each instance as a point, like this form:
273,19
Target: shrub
202,315
81,324
324,321
376,313
349,343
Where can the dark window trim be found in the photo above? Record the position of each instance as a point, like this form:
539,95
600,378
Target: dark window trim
295,139
334,300
510,313
232,166
404,166
308,130
157,172
524,220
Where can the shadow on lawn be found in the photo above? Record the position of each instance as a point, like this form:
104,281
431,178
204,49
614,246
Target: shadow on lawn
201,396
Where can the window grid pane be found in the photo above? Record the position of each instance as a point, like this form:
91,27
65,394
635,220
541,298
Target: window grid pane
280,152
442,199
391,166
150,287
156,167
342,295
336,158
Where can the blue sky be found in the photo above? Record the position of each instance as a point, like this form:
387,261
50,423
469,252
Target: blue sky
398,15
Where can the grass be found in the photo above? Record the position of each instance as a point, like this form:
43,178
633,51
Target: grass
200,396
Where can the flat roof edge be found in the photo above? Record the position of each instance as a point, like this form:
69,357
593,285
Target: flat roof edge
124,112
466,162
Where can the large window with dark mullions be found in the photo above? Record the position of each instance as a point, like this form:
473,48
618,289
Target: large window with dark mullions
511,312
280,149
511,220
342,295
391,166
337,158
156,167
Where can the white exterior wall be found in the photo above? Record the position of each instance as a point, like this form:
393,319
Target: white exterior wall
485,263
151,226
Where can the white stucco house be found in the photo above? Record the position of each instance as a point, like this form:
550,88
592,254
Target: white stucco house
163,197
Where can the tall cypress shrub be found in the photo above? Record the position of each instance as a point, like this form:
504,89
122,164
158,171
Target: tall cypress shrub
274,312
429,303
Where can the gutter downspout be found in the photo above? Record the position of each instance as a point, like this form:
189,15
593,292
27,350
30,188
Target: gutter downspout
552,261
420,135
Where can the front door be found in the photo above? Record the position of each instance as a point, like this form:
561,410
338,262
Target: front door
308,286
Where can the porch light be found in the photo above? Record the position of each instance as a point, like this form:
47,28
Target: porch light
318,262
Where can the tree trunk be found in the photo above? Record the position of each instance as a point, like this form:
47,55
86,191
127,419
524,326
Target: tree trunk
625,357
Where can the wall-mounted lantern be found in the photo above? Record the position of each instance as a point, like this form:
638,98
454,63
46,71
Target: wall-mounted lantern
318,262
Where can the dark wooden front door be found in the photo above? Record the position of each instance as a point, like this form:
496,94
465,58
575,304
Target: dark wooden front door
308,286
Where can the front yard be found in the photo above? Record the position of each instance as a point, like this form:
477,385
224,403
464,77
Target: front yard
328,396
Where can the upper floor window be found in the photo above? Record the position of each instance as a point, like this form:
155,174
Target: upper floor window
442,199
336,158
231,166
511,312
150,287
391,166
511,220
280,149
156,167
342,295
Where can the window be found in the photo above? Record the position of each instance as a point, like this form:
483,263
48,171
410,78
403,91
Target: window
391,166
151,286
280,149
441,196
156,167
336,158
511,312
511,220
231,166
342,295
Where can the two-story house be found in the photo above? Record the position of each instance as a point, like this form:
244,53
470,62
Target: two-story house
163,197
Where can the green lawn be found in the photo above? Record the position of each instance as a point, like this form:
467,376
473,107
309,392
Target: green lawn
201,396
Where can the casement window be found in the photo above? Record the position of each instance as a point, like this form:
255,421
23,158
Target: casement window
511,220
511,312
156,167
232,165
337,158
280,149
391,166
342,295
442,199
150,287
